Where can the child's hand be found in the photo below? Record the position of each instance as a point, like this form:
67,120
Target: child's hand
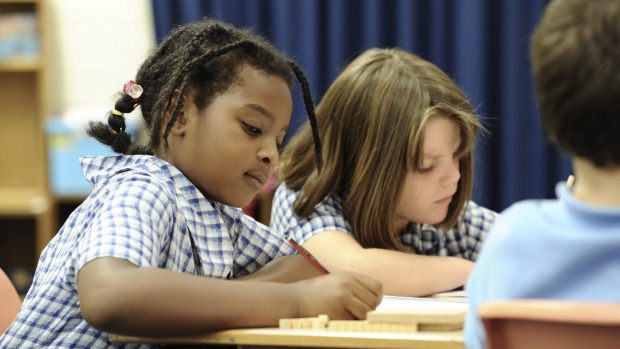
340,295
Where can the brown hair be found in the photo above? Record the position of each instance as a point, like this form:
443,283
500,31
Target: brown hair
372,122
576,60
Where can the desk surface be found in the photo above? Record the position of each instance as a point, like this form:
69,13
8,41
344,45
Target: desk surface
333,339
314,338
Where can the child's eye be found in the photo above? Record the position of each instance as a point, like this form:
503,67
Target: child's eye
426,169
251,130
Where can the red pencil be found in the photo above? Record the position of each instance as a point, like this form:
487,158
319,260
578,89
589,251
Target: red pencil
310,258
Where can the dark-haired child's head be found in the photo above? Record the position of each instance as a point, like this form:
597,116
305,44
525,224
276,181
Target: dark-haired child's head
194,66
576,61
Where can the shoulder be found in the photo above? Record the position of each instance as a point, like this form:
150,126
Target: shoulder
473,212
523,213
327,215
284,198
506,250
101,171
476,219
514,227
140,183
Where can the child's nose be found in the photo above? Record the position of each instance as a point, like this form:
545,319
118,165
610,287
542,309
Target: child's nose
269,155
453,173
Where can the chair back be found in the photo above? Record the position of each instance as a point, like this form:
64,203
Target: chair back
9,302
550,324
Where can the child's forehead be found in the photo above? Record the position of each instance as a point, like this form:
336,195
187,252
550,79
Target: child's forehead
246,73
437,136
439,132
259,93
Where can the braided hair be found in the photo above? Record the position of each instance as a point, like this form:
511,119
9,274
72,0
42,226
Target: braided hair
202,58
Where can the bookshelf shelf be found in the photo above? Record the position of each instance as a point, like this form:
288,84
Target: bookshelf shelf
26,202
20,65
26,207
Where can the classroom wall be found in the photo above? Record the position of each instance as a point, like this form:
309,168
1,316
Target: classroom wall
95,47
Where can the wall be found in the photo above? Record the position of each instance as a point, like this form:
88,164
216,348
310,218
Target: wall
95,47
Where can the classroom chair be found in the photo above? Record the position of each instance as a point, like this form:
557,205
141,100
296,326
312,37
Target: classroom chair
9,302
550,324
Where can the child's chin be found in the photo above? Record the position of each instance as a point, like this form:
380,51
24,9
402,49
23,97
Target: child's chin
241,202
435,220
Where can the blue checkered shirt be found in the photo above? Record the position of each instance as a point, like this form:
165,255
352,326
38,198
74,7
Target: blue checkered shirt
140,210
463,240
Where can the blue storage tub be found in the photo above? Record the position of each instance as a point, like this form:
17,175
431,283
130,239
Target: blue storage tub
67,143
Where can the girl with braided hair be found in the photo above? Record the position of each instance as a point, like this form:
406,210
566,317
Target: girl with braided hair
160,247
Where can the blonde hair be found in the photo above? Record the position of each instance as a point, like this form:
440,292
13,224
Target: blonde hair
372,122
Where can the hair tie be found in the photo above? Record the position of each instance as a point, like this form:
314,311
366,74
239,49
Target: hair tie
134,91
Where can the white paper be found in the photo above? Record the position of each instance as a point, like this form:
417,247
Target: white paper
393,303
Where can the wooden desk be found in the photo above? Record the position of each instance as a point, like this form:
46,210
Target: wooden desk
307,338
313,339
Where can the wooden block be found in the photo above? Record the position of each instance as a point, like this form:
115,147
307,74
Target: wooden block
392,328
296,324
440,327
341,325
365,326
306,323
286,324
426,319
310,323
320,322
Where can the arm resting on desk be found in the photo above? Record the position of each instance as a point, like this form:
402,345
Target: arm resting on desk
116,296
402,274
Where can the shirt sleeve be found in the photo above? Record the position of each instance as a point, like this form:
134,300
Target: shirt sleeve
327,215
130,219
254,244
475,226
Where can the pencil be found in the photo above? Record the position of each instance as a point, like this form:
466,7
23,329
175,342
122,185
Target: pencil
309,257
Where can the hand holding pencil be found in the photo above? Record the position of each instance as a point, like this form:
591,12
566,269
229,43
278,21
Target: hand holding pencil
340,295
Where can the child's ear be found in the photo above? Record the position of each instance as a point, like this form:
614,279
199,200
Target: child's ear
181,120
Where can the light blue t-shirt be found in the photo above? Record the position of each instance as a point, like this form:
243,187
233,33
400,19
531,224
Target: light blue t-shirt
550,249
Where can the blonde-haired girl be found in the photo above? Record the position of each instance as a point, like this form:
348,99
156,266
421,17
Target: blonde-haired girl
392,199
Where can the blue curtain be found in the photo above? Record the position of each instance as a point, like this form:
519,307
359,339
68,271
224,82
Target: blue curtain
482,44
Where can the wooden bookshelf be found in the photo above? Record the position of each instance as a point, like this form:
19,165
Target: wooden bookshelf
26,206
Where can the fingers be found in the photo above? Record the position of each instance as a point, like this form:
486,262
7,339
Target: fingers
361,294
341,295
367,296
358,309
371,285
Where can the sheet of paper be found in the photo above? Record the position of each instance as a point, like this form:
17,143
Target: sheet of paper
456,294
393,303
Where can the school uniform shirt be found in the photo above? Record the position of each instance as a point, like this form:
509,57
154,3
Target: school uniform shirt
141,210
550,249
464,240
